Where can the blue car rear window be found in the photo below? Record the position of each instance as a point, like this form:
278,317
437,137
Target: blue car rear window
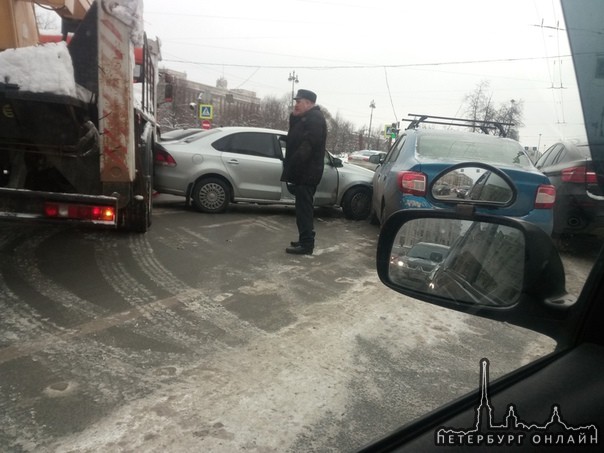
475,149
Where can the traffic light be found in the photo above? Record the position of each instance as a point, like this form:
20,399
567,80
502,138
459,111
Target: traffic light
393,130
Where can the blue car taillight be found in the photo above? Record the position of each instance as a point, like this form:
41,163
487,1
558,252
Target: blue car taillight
412,182
546,197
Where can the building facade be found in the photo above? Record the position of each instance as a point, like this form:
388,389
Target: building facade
182,98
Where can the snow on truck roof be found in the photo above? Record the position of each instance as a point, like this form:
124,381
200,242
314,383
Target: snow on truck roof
24,66
39,69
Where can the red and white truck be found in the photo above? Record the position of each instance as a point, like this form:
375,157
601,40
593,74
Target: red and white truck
77,117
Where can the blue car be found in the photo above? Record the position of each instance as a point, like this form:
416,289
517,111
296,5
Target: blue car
411,176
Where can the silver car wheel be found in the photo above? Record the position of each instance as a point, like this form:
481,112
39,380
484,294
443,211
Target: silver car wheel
356,203
211,195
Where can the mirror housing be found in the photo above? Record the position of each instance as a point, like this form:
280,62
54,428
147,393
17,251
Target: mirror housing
376,158
540,301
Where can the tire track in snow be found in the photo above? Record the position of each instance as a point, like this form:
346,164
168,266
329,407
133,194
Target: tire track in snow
162,325
21,321
198,302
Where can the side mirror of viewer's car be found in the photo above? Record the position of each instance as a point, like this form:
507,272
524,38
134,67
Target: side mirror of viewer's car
491,266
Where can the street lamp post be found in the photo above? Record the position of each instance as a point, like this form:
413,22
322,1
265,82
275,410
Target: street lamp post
293,78
371,106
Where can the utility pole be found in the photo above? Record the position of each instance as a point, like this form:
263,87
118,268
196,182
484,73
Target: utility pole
293,78
371,106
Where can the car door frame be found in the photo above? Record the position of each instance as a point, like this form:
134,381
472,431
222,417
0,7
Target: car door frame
262,170
383,172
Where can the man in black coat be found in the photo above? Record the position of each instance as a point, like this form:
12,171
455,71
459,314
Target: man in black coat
303,165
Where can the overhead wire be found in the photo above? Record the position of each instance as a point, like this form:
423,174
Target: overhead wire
390,93
368,66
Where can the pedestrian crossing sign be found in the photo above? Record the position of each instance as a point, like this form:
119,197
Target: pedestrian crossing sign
206,111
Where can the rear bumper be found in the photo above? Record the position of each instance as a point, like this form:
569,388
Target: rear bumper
578,214
35,206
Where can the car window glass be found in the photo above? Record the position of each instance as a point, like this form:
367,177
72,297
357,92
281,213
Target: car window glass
178,134
200,135
541,161
575,152
582,152
549,156
490,187
477,148
555,156
560,156
249,143
395,150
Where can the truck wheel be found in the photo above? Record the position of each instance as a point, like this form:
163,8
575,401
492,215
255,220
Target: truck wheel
137,215
211,195
356,203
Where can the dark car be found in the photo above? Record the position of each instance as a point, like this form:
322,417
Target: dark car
416,265
460,192
579,207
419,156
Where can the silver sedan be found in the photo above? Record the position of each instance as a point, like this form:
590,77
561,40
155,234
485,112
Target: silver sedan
226,165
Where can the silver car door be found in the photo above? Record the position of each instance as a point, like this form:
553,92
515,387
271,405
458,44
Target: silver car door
327,190
254,165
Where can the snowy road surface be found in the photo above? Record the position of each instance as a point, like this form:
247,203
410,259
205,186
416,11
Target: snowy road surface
203,335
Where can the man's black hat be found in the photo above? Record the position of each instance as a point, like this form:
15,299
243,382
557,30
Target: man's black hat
306,94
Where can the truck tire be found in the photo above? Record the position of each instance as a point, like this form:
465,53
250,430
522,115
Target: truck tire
356,203
211,195
137,215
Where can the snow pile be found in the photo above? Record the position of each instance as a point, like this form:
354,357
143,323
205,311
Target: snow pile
129,12
40,69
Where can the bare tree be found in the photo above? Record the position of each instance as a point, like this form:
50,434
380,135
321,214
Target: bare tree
47,19
511,113
479,106
274,113
341,134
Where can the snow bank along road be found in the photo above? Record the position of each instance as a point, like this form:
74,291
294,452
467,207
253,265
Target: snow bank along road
203,335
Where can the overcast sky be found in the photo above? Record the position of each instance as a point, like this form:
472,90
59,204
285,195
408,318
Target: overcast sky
408,56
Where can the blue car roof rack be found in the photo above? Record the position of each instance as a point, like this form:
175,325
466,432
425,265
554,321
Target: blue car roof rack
485,126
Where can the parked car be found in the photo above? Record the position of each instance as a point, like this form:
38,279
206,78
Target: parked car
366,158
461,191
579,207
363,155
178,134
226,165
419,156
442,189
416,265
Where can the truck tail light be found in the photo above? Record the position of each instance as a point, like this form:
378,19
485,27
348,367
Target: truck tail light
164,158
80,212
579,175
546,197
412,182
